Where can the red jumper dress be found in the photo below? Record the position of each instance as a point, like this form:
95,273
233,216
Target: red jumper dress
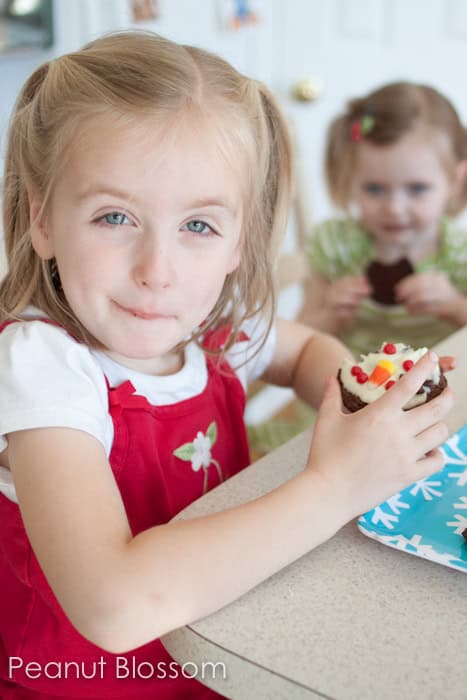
163,458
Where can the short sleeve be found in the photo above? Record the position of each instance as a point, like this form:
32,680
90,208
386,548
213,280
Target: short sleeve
47,379
250,358
453,256
338,247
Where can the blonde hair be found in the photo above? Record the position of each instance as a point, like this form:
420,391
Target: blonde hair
394,109
133,74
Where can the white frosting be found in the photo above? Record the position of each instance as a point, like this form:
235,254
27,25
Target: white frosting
368,392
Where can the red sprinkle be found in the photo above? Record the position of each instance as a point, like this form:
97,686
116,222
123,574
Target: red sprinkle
407,364
355,370
389,349
389,384
362,378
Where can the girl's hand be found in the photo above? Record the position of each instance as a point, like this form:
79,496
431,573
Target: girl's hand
346,294
367,456
430,293
447,363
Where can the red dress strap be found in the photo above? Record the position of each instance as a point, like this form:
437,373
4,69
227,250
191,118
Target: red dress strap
216,338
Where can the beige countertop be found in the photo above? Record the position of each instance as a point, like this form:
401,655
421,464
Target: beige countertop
351,620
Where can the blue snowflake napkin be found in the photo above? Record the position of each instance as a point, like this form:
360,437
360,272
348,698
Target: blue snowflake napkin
427,519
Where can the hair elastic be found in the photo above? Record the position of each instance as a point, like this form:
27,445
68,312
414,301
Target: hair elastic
361,127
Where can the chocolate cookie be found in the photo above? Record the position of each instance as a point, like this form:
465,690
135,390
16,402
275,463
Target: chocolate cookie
384,278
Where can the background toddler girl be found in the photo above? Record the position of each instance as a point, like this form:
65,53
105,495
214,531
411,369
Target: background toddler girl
395,267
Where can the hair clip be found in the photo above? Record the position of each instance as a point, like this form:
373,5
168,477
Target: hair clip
361,127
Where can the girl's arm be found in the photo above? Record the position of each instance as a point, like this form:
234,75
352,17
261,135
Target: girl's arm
314,311
459,311
122,591
303,360
331,306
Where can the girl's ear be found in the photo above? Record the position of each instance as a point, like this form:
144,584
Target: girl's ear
235,262
40,239
460,176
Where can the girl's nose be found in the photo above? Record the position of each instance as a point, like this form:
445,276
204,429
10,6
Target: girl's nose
154,267
394,203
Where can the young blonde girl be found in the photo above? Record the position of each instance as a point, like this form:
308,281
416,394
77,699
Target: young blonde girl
395,265
146,190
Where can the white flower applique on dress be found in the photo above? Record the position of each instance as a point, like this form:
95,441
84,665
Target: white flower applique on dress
198,453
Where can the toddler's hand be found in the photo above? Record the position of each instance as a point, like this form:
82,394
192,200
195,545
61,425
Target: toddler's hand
346,294
447,363
367,456
428,293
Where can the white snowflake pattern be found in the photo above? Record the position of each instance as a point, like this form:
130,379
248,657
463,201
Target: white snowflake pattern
386,519
460,476
389,519
460,521
462,504
414,546
459,459
426,488
453,444
395,503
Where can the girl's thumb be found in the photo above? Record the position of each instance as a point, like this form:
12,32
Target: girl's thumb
332,400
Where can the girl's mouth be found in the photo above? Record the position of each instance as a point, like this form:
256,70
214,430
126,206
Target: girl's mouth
396,228
143,314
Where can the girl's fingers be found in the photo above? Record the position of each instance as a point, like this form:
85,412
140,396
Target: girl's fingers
350,299
430,439
429,464
410,383
430,413
331,402
447,363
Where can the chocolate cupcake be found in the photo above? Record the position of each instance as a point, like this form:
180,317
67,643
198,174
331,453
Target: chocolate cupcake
363,382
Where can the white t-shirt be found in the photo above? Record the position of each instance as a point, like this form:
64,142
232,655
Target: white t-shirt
48,379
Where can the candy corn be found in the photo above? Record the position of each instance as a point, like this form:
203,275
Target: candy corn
381,373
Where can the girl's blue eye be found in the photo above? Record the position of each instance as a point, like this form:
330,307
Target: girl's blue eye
200,227
116,218
418,187
373,188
